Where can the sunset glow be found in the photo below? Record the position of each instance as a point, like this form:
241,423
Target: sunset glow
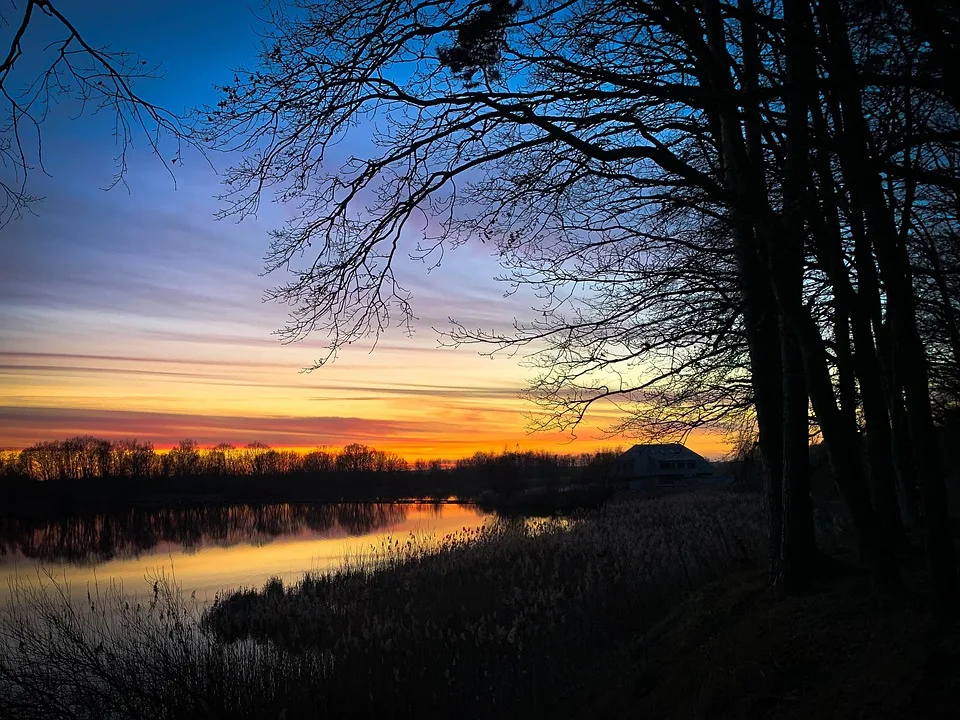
139,315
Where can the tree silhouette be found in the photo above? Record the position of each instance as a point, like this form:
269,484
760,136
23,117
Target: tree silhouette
36,74
648,166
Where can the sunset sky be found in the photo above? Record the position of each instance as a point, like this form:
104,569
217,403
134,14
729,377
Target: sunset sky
137,314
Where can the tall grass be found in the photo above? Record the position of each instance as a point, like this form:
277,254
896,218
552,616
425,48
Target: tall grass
501,622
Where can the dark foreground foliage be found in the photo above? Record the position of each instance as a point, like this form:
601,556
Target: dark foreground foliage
506,622
842,650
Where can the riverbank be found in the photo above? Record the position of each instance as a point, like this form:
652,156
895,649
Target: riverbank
653,608
503,622
31,499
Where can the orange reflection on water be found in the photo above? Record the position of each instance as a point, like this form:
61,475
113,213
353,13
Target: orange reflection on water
210,567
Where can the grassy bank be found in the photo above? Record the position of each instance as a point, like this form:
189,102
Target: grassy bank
731,650
506,622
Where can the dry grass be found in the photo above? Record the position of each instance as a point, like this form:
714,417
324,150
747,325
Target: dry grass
499,622
110,657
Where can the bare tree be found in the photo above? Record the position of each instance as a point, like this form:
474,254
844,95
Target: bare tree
36,74
669,177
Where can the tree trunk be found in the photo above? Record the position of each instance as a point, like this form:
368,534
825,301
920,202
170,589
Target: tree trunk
856,320
786,272
840,438
864,181
799,545
846,375
763,335
744,178
877,372
903,456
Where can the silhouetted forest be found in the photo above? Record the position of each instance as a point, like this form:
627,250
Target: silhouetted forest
92,472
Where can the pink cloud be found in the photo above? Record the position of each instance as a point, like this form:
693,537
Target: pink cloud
24,426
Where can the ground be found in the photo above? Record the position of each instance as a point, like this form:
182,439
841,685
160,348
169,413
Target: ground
733,650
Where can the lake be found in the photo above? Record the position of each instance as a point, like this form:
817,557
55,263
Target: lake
211,549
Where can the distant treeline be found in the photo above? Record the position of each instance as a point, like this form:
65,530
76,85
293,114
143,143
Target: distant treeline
87,458
83,469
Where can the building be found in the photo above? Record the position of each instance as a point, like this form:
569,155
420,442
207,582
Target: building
667,465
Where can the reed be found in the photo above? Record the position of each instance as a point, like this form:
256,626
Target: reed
505,621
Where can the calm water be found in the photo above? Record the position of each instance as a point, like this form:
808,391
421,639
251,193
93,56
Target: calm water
209,549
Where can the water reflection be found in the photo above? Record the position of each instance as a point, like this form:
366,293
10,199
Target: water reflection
92,540
210,549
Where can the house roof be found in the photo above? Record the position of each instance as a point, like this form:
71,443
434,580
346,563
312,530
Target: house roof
664,451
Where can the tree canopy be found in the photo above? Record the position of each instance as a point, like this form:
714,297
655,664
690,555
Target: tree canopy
722,205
